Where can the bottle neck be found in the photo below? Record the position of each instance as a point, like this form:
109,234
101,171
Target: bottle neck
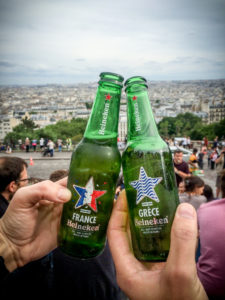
141,122
103,121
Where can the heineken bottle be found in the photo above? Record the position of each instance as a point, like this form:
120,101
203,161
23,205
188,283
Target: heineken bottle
149,177
94,169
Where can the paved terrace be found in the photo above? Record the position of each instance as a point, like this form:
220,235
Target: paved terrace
44,166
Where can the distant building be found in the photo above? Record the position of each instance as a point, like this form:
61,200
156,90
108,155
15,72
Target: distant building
6,125
216,113
203,115
186,108
122,127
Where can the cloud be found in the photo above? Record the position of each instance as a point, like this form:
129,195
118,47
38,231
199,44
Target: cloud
6,64
82,38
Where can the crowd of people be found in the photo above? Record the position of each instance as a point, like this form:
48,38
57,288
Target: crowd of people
45,145
31,261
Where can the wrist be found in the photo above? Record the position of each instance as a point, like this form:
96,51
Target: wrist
7,253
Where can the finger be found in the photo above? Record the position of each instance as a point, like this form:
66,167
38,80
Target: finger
46,190
63,181
183,238
119,243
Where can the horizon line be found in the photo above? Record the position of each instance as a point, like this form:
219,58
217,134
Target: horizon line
95,82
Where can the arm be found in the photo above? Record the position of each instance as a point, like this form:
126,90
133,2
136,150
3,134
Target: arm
219,159
32,219
190,162
182,174
176,279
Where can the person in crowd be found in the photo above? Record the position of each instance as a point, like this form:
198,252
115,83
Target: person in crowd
193,161
58,174
69,144
27,144
59,144
181,187
200,159
41,142
189,142
8,150
181,168
213,158
215,142
194,187
211,263
36,212
13,175
208,193
51,146
34,144
205,141
184,143
209,152
220,165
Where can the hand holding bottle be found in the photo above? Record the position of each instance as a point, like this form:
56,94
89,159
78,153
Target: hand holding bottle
28,231
29,228
175,279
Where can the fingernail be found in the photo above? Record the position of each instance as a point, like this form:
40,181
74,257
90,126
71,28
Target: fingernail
63,194
186,211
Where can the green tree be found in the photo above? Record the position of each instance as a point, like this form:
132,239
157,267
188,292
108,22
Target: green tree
62,129
28,123
164,128
179,124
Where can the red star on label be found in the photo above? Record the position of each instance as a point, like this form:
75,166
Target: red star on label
134,98
108,97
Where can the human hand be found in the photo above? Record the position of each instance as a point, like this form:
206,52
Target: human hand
30,225
175,170
175,279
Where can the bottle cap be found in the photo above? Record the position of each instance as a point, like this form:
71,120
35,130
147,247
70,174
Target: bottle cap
135,79
111,78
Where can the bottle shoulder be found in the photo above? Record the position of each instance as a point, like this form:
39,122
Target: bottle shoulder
147,144
94,148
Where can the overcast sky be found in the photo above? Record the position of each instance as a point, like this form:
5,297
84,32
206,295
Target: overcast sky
70,41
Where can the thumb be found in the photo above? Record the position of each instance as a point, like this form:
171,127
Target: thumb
180,271
29,196
183,238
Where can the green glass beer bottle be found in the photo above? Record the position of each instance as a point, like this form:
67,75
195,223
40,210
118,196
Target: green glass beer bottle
94,169
149,177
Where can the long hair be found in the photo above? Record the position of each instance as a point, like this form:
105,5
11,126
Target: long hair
192,182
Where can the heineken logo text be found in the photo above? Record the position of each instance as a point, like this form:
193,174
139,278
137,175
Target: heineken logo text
137,117
104,119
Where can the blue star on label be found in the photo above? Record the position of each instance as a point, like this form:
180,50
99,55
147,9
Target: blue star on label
145,186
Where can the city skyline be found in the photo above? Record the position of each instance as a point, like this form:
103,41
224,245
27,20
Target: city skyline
66,42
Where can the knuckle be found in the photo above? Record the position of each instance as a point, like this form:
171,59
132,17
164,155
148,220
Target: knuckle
185,233
44,186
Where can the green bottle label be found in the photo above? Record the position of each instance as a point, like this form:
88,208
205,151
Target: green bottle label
82,218
145,187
